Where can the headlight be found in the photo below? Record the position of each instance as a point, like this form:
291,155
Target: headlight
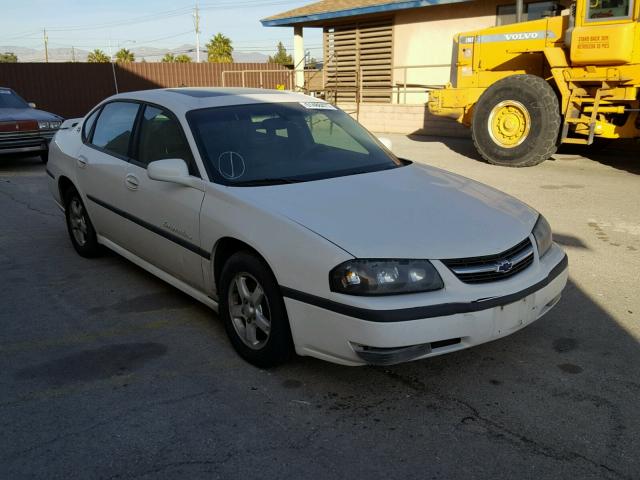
542,234
384,277
46,125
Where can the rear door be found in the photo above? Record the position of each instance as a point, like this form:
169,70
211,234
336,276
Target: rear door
101,165
168,235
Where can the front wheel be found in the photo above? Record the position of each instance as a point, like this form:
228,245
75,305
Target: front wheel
253,311
516,122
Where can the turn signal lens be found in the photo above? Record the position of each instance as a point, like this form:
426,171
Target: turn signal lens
543,236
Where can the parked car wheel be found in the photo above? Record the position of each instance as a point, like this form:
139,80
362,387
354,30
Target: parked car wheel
81,231
44,156
253,311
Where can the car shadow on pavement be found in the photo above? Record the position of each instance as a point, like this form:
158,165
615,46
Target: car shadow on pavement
20,165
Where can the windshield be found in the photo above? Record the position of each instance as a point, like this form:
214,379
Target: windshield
271,143
9,99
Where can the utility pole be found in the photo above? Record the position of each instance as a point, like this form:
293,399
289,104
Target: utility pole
73,54
46,45
196,24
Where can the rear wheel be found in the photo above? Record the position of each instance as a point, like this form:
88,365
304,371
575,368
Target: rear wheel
81,231
516,122
253,311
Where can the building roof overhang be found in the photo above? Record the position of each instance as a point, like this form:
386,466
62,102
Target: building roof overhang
300,17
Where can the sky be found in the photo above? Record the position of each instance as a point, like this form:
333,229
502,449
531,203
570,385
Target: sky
90,24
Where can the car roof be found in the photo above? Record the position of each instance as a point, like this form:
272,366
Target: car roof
181,100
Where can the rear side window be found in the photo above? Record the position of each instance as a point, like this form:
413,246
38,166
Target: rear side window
160,137
88,124
114,126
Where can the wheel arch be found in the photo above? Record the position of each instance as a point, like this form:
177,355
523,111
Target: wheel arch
227,246
64,185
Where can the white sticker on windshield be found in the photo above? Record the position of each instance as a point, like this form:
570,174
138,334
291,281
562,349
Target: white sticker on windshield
318,106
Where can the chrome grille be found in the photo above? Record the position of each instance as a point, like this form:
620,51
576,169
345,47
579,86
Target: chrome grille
493,267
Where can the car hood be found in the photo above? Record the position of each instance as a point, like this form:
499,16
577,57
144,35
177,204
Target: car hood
13,114
409,212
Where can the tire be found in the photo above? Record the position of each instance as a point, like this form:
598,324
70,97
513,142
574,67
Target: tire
243,315
525,106
44,156
81,231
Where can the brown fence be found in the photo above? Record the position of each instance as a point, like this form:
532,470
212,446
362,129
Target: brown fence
71,89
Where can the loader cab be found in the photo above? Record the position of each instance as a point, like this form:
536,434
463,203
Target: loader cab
605,32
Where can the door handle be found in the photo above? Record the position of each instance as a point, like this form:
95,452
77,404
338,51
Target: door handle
131,181
82,161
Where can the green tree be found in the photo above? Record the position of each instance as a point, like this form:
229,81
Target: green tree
219,49
8,57
97,56
171,58
281,56
125,56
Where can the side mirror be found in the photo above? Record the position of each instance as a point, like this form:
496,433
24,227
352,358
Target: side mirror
32,105
386,142
173,170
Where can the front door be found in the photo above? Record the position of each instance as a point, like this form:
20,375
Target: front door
167,233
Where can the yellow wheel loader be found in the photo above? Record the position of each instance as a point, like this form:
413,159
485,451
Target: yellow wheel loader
527,87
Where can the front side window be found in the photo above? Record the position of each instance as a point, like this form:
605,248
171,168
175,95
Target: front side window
114,126
608,9
160,138
271,143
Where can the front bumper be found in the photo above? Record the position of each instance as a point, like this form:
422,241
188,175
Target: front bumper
25,142
341,337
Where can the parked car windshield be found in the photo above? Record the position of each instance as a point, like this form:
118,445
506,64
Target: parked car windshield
9,99
272,143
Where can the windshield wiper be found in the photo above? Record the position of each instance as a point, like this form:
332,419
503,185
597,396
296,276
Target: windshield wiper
265,181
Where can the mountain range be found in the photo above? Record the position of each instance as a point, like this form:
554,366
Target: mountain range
149,54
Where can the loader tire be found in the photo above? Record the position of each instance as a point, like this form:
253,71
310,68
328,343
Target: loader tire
516,122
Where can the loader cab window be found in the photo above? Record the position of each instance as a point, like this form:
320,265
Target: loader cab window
506,14
602,10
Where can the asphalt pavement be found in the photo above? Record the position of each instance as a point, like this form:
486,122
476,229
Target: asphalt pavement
107,372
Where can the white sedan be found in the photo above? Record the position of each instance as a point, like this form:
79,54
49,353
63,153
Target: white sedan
300,228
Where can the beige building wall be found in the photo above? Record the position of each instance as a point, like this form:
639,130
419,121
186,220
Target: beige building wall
425,37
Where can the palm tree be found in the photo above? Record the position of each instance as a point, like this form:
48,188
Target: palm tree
125,56
97,56
219,49
171,58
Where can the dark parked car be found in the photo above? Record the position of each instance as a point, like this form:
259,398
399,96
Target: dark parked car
23,129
